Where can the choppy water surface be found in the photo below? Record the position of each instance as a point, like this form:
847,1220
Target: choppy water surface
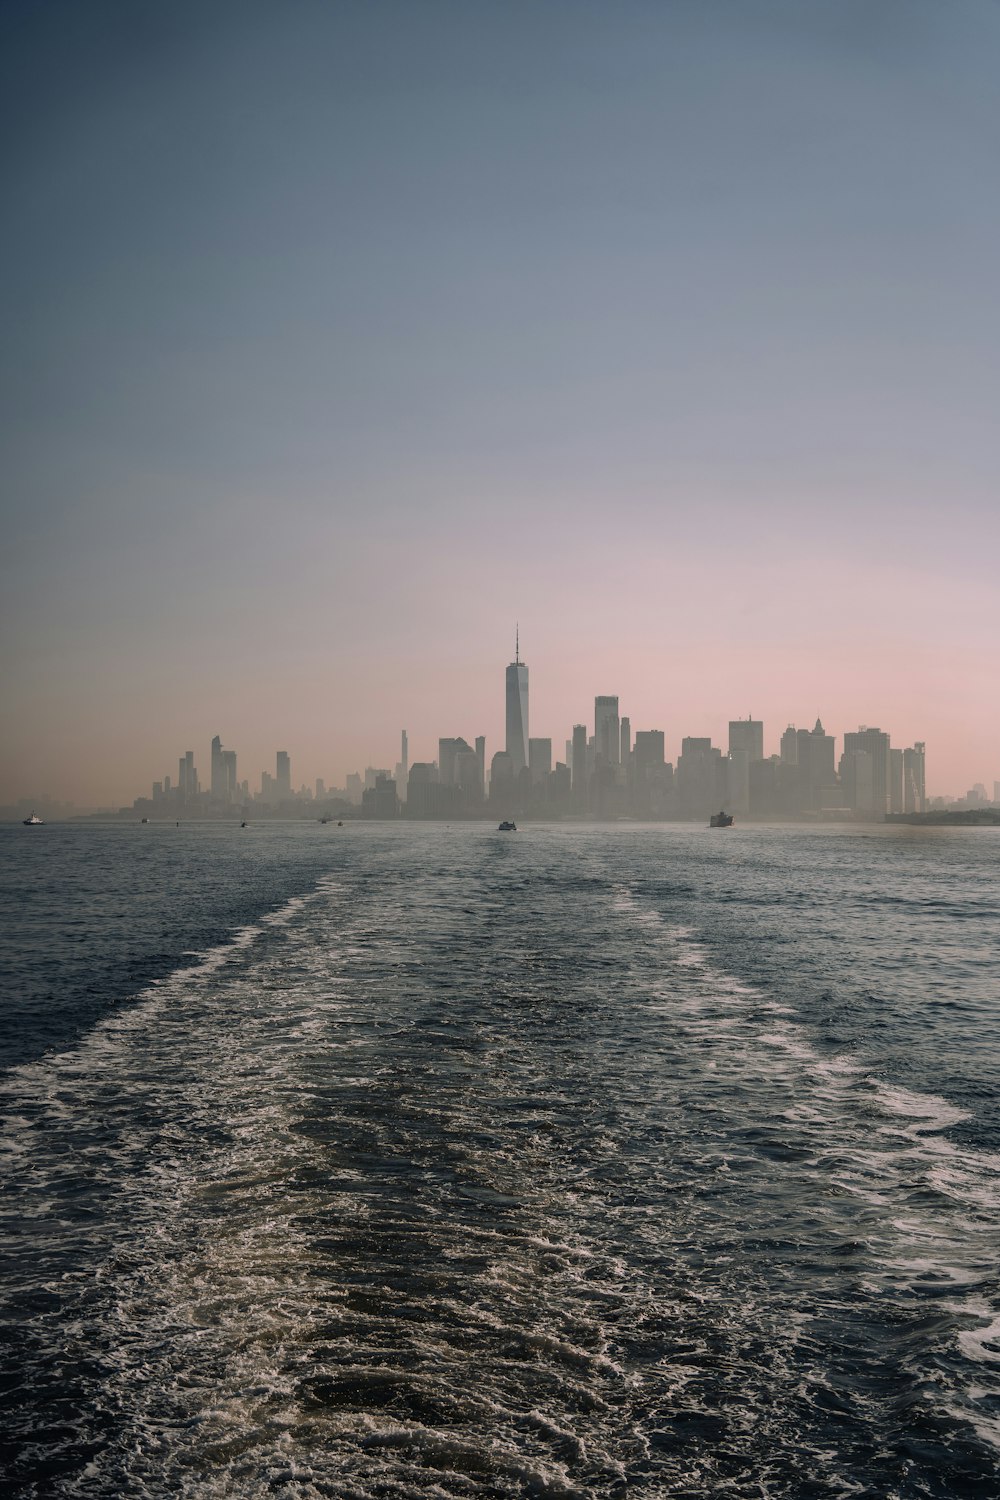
577,1162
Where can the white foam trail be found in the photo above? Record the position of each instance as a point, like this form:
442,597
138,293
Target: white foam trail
888,1138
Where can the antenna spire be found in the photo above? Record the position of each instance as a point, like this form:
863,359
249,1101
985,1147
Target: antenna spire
517,644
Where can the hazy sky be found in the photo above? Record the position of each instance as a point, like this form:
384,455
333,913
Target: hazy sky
338,336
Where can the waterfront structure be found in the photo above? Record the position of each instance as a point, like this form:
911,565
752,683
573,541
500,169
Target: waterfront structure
517,711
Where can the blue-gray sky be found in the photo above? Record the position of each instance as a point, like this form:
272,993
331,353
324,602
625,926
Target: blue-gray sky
337,336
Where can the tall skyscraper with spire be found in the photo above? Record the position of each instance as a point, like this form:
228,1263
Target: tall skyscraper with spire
517,708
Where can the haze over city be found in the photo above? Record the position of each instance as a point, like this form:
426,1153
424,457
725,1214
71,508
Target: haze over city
337,338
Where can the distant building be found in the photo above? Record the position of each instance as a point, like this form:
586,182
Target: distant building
747,735
467,778
229,774
702,778
857,777
402,766
875,743
448,751
607,739
579,763
914,785
503,781
738,781
380,800
283,775
625,742
790,747
652,778
218,772
187,777
426,797
816,770
516,712
895,780
539,760
648,748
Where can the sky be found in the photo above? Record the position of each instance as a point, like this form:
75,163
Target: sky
338,338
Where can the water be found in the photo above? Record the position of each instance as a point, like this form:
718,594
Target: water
576,1162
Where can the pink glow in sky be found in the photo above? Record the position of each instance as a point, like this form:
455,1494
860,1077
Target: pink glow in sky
338,340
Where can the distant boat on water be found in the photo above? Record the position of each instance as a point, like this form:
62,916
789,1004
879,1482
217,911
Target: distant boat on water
721,820
506,827
32,821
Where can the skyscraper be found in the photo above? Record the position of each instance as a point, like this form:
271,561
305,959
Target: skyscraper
606,731
517,710
914,788
539,760
229,773
283,775
218,781
748,735
186,776
579,745
875,743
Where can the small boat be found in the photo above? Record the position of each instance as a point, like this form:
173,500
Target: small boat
340,822
243,824
506,827
721,820
32,821
143,820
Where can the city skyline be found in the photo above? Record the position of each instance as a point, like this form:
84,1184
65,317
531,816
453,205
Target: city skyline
606,769
606,729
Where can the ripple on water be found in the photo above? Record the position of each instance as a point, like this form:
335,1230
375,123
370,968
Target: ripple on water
410,1189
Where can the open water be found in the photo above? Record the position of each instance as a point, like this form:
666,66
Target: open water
390,1161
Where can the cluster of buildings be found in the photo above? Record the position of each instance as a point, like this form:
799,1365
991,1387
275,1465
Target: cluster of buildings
606,770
